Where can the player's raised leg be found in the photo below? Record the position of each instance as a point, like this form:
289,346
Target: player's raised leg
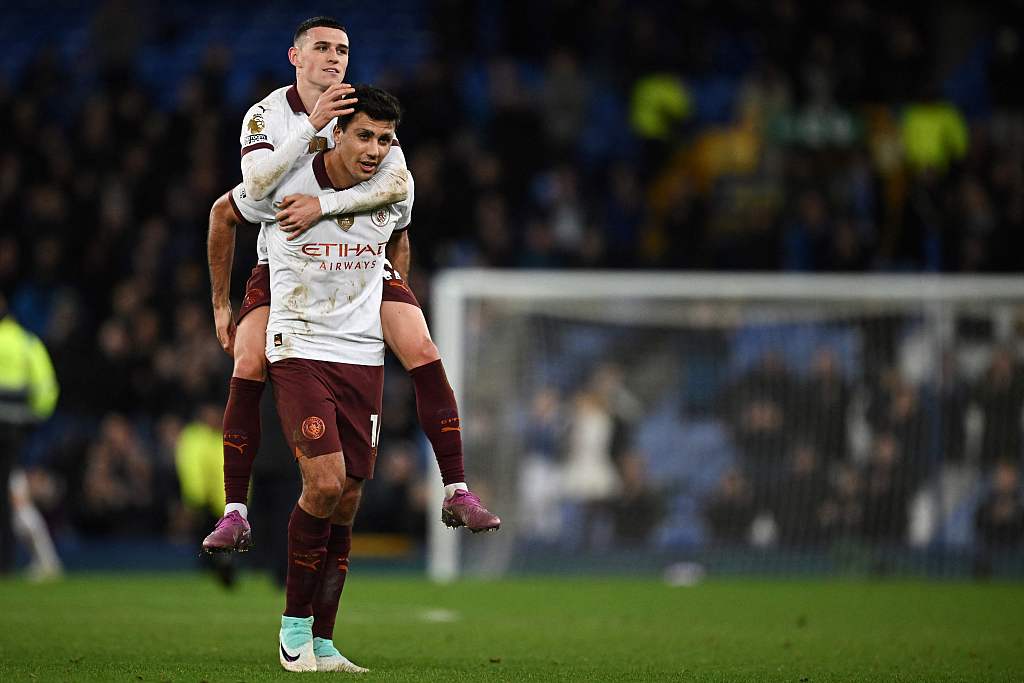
332,583
407,335
242,416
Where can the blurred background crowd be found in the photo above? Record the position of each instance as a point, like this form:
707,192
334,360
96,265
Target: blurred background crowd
733,135
795,436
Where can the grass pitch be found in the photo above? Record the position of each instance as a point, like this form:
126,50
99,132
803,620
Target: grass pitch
181,627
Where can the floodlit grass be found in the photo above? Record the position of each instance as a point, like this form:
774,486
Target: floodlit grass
181,627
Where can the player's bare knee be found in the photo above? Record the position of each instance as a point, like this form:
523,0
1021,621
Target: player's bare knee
351,497
422,352
345,513
250,364
325,491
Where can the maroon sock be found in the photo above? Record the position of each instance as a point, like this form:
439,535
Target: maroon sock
332,582
307,546
241,436
439,419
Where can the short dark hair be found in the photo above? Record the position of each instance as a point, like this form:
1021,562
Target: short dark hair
378,104
314,22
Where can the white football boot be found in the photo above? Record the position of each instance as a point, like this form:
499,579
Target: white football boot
329,659
295,644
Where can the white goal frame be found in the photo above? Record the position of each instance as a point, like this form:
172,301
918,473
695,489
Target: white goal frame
453,288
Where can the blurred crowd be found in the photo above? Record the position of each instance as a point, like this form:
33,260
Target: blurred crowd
783,135
776,447
918,467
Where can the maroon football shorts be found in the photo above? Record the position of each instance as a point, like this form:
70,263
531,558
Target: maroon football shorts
328,407
257,290
396,289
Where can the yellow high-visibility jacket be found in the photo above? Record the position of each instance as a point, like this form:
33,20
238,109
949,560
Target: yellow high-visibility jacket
28,383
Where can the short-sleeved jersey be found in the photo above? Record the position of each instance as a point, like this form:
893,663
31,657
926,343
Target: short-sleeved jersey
277,117
326,285
273,119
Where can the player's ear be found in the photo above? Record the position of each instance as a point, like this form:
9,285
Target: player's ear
293,55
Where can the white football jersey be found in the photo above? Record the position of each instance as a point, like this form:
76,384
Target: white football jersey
277,117
270,121
325,285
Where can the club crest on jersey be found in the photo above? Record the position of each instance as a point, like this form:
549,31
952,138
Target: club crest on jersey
256,124
317,144
345,222
380,217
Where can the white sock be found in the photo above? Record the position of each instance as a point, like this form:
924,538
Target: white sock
238,507
450,489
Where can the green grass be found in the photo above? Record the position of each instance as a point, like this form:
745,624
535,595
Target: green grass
184,628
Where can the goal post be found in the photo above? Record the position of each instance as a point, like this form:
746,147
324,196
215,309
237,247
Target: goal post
653,341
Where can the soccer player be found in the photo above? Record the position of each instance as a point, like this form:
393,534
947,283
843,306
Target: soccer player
325,345
276,132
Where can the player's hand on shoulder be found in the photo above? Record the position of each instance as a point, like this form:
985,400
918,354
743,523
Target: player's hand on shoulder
332,103
297,213
224,321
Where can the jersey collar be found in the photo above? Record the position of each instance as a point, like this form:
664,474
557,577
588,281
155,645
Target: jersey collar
294,101
320,171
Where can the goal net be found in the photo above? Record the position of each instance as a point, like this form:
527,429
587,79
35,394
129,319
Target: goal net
687,424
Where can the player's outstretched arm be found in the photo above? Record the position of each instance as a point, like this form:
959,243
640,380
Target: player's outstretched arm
390,184
263,169
220,251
